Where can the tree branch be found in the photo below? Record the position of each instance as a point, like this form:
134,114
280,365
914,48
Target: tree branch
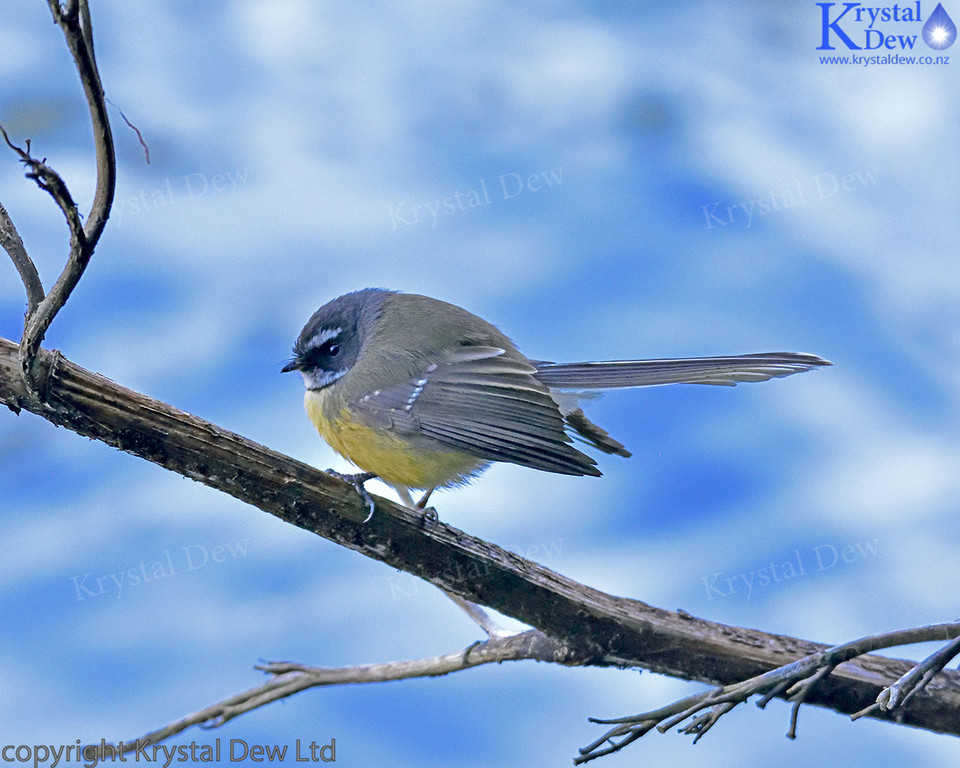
77,28
795,681
609,630
13,245
898,694
74,20
51,182
290,678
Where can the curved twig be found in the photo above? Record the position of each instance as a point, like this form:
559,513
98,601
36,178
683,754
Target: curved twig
74,20
13,245
77,28
289,678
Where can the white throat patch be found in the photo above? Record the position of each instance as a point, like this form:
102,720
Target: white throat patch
319,379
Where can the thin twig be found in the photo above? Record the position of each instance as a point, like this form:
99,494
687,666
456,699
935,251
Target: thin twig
799,691
777,691
703,723
39,319
898,694
132,127
13,245
51,182
289,678
78,31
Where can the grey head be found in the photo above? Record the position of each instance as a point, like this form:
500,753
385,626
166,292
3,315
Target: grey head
331,341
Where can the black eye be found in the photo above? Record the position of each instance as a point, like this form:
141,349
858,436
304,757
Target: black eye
329,349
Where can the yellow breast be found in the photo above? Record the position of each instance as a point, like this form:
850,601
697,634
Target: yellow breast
391,458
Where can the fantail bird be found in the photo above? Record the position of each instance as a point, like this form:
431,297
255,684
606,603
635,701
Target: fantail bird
423,394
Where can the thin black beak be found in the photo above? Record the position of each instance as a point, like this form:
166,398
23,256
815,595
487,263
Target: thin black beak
293,365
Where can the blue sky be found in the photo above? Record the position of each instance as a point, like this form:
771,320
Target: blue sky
715,189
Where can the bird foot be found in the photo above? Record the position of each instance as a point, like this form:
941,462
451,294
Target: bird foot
357,480
428,514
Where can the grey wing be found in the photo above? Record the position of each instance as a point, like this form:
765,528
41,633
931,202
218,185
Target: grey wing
693,370
485,404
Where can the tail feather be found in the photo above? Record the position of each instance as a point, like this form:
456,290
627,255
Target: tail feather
727,371
593,435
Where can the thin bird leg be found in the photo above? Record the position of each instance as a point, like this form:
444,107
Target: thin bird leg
429,513
480,617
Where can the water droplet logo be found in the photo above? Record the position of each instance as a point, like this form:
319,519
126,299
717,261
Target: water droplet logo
939,32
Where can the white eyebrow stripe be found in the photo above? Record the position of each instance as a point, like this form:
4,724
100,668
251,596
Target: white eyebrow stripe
322,338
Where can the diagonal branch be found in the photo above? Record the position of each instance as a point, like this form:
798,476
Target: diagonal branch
611,630
290,678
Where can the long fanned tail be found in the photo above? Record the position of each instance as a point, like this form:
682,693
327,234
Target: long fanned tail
727,371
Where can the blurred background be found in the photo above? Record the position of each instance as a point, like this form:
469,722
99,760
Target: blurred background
622,181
